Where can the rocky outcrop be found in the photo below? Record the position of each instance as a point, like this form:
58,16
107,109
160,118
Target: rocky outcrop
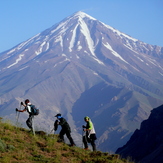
146,144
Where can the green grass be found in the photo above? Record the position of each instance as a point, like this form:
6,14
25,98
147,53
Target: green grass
18,145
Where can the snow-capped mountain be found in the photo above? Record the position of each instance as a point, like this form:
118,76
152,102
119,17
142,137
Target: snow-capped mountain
83,67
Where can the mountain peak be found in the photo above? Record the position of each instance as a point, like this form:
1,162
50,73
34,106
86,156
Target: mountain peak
83,15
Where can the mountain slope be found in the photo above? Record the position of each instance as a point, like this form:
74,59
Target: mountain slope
145,145
15,147
79,67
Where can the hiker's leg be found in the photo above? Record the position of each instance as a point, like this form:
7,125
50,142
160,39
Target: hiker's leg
93,144
61,135
85,142
70,138
29,122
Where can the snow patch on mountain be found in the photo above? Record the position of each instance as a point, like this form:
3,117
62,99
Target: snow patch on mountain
152,61
11,51
60,39
139,59
120,34
63,55
4,58
23,68
83,15
79,46
40,49
65,60
161,73
130,47
114,52
27,42
72,41
17,60
100,62
61,26
95,58
86,33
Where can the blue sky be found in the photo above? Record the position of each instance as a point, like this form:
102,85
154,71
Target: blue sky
22,19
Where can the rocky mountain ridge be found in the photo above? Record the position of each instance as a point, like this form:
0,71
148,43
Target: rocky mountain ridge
145,145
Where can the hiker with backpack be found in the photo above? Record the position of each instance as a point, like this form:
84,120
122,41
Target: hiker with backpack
65,129
31,109
90,134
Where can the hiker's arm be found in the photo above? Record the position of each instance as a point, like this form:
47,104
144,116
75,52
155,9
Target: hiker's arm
89,126
25,107
21,110
56,125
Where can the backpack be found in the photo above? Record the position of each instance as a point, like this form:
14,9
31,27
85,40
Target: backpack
34,110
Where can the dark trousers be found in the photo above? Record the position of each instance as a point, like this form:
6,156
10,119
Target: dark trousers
62,133
91,140
29,121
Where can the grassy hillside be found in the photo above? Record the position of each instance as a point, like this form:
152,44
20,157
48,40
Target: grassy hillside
18,145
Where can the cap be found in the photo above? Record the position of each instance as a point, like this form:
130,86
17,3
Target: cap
58,115
86,118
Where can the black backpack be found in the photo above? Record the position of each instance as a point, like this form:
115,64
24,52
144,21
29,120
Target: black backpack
34,110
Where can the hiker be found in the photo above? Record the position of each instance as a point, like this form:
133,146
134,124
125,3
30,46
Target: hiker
27,107
90,134
65,129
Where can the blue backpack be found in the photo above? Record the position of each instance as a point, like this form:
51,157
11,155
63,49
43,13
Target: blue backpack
34,110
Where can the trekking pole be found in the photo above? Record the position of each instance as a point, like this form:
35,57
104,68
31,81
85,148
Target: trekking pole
82,138
51,130
33,128
17,116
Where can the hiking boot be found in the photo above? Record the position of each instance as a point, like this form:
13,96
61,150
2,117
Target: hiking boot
94,147
85,148
72,145
60,141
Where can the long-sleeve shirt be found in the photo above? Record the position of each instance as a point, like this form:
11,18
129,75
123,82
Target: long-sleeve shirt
63,123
